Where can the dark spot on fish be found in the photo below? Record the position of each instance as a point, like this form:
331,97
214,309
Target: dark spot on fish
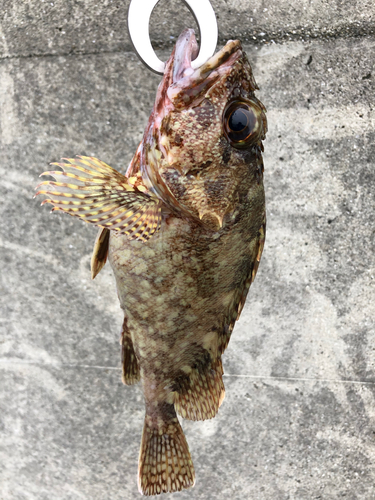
201,361
243,271
239,215
174,181
201,357
164,410
215,188
227,328
226,150
160,151
258,151
159,106
259,171
366,77
309,60
181,382
178,139
198,170
205,164
165,126
250,157
226,155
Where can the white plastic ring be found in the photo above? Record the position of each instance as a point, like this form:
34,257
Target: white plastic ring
138,25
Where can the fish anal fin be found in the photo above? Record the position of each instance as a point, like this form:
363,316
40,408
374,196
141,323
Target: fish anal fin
130,366
100,252
200,393
165,463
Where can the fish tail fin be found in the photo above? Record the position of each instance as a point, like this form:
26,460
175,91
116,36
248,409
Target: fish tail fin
165,463
199,396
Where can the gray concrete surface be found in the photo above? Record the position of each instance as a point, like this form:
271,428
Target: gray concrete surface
298,418
41,27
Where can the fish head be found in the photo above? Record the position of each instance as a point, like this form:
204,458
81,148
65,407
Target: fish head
202,147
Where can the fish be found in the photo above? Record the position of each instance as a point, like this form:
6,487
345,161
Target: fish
183,230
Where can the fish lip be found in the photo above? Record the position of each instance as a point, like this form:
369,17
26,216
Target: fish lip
221,57
188,83
186,51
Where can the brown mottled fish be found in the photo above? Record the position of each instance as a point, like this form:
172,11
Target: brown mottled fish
184,231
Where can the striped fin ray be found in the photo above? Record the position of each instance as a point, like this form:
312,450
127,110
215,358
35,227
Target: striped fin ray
96,193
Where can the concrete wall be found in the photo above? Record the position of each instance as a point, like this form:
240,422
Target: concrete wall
298,418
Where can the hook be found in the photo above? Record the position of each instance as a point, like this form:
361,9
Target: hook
138,26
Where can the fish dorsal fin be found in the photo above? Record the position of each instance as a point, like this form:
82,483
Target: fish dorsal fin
96,193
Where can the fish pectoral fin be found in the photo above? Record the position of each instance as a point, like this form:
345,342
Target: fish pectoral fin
100,252
96,193
254,268
130,367
199,395
237,306
165,463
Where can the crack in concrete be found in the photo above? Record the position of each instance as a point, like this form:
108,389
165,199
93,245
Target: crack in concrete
258,38
66,54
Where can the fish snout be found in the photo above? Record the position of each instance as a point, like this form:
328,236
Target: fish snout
186,51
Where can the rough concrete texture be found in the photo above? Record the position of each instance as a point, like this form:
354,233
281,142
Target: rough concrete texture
298,418
40,27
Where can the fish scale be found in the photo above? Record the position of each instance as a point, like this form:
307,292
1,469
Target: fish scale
184,231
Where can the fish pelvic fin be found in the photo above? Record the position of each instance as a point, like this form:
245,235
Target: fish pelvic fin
96,193
130,367
200,394
165,463
100,252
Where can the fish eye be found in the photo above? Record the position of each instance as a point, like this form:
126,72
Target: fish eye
242,123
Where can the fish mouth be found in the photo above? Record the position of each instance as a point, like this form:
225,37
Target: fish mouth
186,51
187,83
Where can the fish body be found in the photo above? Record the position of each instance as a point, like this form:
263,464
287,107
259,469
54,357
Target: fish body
184,232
